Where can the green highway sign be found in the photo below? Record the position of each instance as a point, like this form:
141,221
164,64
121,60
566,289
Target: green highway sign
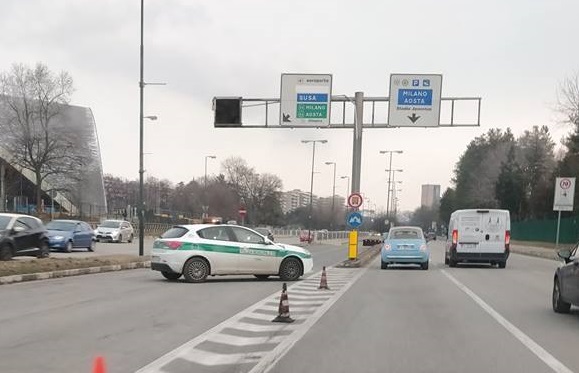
305,99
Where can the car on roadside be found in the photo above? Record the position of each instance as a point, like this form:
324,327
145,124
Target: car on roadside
22,235
405,245
65,235
201,250
115,231
566,281
431,236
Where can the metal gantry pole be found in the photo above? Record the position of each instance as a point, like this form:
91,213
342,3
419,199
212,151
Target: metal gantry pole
357,143
311,190
333,198
141,139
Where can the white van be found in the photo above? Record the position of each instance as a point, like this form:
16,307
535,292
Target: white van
478,236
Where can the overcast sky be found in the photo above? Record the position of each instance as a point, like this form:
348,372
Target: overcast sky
512,53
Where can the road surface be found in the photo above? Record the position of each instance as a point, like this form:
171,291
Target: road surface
466,319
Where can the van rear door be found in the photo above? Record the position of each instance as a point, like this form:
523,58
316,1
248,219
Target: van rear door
482,231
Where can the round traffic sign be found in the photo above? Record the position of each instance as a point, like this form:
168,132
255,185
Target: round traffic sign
565,183
355,200
242,212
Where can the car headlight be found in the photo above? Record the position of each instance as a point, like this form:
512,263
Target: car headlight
58,238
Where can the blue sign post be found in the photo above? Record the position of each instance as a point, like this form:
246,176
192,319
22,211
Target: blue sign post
354,219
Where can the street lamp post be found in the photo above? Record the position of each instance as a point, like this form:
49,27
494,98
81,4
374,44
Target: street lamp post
333,193
389,176
348,186
206,207
313,142
390,187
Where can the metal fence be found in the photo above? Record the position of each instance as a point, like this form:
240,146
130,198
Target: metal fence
546,230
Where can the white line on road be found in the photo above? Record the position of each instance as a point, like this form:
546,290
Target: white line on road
243,341
212,358
269,360
535,348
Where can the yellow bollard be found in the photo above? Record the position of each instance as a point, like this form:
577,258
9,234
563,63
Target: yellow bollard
353,245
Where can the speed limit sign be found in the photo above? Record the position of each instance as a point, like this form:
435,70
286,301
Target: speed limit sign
564,194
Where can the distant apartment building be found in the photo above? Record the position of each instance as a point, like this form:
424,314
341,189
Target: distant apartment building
326,203
296,198
430,195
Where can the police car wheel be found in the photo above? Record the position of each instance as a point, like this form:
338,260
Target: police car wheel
196,270
290,269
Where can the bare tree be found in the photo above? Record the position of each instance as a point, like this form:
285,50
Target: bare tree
568,100
32,103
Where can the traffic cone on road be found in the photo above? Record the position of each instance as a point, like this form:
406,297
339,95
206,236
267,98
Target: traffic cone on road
99,365
283,313
324,280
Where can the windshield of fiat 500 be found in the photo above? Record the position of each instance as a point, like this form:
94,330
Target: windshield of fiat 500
4,221
405,234
61,226
110,224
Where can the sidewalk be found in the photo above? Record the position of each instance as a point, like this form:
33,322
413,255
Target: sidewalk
538,249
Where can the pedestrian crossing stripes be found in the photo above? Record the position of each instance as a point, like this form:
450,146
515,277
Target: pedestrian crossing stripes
249,341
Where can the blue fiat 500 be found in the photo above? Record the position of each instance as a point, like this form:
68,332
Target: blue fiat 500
405,245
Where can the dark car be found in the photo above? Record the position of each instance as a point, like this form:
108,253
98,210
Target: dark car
566,281
66,235
22,235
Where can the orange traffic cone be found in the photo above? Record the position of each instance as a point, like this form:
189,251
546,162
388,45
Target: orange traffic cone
99,365
324,280
283,313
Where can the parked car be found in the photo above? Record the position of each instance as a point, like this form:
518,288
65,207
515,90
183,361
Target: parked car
566,281
201,250
266,232
478,236
65,235
305,237
431,236
22,235
405,245
115,231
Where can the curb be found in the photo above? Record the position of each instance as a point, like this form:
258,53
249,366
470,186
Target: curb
536,253
363,258
72,272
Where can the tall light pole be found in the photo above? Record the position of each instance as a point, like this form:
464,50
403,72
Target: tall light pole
389,176
313,142
206,206
348,187
333,193
390,187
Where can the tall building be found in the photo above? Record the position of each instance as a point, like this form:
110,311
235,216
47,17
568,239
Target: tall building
296,198
430,195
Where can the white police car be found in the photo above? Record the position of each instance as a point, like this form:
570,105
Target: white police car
199,250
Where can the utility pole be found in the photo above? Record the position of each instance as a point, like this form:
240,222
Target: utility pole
390,152
333,194
313,142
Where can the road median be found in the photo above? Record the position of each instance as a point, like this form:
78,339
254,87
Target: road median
365,256
19,270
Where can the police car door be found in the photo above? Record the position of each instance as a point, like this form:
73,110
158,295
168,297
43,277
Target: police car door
255,256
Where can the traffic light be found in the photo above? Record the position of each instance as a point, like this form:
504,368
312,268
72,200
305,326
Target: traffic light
227,111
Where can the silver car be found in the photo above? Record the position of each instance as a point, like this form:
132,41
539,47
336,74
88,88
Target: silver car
115,231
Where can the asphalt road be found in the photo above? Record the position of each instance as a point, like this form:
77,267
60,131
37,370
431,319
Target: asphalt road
466,319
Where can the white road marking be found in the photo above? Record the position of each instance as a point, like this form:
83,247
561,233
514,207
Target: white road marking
270,359
212,358
243,341
533,346
189,351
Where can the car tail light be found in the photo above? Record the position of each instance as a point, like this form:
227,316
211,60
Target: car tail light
507,239
172,245
422,247
455,237
387,247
